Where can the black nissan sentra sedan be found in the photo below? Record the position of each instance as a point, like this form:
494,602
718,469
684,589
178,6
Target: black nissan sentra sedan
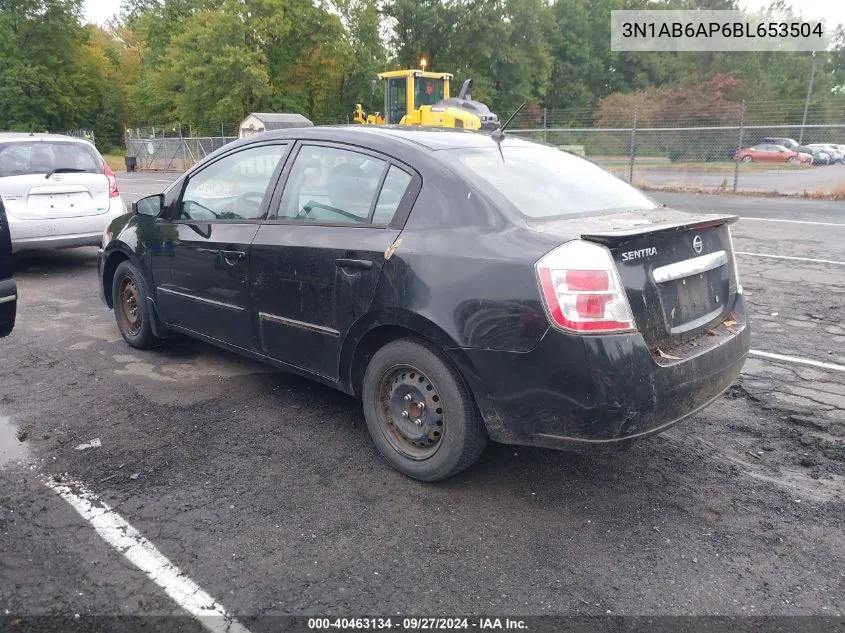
462,288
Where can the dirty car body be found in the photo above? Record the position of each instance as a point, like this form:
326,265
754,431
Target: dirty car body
574,309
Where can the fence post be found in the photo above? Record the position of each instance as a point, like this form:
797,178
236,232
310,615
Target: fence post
222,134
545,125
739,144
633,147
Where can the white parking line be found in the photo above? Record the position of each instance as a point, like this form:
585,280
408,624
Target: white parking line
745,217
140,552
800,259
797,360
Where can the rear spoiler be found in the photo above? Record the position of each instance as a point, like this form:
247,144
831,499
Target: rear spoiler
616,237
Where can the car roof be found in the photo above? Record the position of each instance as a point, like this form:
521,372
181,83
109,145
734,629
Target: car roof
27,136
430,138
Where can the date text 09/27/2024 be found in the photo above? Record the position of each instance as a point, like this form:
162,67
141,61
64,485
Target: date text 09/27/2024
416,624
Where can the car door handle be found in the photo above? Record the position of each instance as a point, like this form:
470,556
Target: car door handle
232,254
364,264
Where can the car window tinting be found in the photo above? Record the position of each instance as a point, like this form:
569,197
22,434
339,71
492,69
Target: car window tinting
43,157
544,182
232,188
332,185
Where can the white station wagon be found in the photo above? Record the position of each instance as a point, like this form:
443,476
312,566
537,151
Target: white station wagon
58,191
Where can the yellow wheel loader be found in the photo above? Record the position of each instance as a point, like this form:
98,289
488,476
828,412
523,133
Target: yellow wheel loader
417,97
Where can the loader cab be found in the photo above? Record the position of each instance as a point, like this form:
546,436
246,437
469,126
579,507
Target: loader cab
406,90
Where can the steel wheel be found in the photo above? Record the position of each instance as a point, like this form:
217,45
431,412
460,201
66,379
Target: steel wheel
129,309
412,412
747,159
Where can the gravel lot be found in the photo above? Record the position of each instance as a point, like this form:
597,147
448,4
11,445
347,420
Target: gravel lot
266,491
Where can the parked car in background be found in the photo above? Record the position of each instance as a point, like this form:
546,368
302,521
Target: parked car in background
769,153
788,143
820,156
8,289
837,155
58,191
462,288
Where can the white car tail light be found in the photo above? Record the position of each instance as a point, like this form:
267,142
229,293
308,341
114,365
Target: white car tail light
582,291
114,192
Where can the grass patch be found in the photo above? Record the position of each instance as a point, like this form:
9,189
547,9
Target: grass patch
837,193
724,167
115,161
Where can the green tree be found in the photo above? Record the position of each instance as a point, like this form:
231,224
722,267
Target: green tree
211,71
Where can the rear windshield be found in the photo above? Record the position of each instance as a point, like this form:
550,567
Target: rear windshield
43,157
544,182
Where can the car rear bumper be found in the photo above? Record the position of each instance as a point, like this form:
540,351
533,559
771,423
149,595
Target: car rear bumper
63,232
576,391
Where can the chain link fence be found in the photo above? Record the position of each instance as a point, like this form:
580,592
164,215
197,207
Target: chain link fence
693,146
699,147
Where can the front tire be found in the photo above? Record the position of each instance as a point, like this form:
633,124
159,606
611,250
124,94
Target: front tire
129,293
420,413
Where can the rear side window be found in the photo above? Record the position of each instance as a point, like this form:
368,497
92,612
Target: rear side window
392,192
544,182
332,185
43,157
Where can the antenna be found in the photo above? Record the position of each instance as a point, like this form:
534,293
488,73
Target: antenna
499,134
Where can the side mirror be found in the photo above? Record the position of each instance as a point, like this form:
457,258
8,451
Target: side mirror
151,205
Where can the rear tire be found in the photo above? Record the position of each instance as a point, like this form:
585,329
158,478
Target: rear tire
420,413
746,159
792,159
129,296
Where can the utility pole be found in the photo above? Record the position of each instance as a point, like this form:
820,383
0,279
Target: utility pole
807,102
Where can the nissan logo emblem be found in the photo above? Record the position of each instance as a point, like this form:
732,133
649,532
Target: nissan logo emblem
697,244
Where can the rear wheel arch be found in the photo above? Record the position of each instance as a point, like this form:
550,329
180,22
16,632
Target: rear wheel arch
370,335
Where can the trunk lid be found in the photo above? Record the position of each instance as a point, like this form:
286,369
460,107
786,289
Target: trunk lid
63,195
677,268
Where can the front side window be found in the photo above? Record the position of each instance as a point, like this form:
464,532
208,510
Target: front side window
328,184
232,188
44,157
543,182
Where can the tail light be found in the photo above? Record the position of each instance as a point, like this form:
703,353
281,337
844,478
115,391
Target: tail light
113,190
582,291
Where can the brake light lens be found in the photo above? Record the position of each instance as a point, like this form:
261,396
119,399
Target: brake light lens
114,192
582,291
